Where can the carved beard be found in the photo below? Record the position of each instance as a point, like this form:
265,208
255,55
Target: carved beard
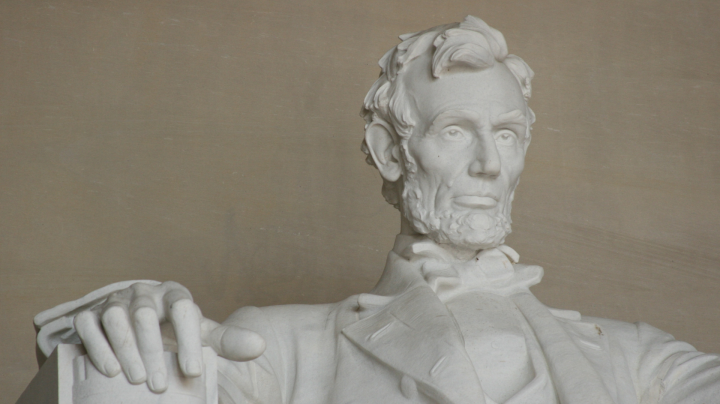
476,230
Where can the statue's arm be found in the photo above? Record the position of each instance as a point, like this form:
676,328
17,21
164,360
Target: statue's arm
300,360
261,380
671,371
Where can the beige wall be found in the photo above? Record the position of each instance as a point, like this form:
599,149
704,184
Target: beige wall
216,143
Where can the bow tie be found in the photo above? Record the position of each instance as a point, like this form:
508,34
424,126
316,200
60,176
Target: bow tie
491,270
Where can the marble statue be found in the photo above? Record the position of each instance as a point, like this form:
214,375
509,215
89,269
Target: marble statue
452,319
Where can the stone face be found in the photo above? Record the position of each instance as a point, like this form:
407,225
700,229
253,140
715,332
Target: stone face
69,377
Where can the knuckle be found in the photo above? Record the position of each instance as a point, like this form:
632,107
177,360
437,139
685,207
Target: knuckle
119,297
83,319
171,284
183,305
113,316
113,310
140,302
145,315
141,288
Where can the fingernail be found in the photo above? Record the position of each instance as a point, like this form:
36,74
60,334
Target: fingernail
192,367
157,382
112,368
137,374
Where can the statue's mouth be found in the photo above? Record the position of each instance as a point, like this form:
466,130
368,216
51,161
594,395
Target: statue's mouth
475,202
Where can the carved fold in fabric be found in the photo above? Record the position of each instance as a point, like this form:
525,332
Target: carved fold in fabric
359,338
416,335
581,383
491,271
390,332
55,326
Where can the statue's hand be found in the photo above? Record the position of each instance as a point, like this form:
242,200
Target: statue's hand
124,334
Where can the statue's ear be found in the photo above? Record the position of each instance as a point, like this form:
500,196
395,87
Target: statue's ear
384,151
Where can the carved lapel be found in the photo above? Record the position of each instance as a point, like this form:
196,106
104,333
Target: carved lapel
416,335
576,380
594,344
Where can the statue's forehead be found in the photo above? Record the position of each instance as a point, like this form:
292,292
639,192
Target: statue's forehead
489,92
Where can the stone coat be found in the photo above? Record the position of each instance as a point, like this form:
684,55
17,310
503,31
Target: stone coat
400,344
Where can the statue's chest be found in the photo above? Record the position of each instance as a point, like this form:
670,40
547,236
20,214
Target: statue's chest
495,342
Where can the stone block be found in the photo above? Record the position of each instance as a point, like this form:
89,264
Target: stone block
68,377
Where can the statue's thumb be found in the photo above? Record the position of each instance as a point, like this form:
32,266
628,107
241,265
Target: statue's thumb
232,342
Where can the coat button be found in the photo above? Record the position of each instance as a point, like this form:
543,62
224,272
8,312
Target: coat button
408,387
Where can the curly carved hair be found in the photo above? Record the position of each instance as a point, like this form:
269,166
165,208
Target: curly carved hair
471,44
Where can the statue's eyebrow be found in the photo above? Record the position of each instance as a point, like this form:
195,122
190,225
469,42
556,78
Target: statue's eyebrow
453,116
516,117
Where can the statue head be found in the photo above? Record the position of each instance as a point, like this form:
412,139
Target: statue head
447,126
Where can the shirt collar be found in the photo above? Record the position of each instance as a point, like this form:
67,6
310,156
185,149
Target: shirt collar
416,259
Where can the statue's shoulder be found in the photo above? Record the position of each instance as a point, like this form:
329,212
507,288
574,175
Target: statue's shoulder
613,327
615,330
637,336
625,330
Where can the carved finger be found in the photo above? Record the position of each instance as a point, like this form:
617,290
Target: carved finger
90,332
185,318
175,291
122,339
231,342
150,296
149,342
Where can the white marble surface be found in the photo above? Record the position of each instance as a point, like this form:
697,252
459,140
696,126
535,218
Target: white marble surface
69,377
452,319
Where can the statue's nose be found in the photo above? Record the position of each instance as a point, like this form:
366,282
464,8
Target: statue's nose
487,159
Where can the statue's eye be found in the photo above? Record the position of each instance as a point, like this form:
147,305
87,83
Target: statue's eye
505,138
453,133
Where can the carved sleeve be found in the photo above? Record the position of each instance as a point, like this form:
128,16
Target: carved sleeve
258,381
673,372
